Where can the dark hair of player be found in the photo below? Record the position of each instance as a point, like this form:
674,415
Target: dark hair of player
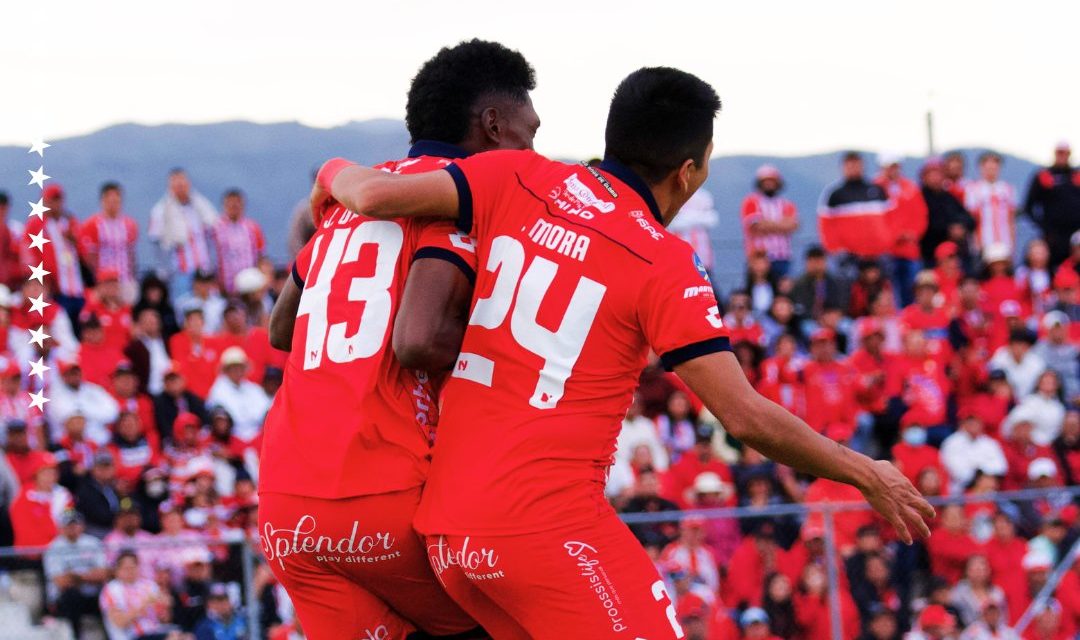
443,95
109,186
5,199
659,118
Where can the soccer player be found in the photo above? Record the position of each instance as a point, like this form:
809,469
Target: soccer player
579,280
347,440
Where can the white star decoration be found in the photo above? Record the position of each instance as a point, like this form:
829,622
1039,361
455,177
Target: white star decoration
39,148
38,304
38,400
38,337
38,177
38,367
39,272
37,210
38,240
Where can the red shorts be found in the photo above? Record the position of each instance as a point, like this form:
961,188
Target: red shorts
592,581
355,568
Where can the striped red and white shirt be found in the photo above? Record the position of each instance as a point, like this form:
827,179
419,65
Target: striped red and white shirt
59,256
112,242
993,205
127,597
239,245
758,207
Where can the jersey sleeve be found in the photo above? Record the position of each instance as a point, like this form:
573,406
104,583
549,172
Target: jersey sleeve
678,310
442,240
483,182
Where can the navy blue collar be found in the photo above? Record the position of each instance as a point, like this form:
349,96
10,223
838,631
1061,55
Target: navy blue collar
437,149
631,179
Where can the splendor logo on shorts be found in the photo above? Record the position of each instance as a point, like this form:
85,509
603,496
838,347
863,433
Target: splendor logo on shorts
477,564
598,581
279,544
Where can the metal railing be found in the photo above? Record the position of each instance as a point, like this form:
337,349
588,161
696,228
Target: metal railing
250,550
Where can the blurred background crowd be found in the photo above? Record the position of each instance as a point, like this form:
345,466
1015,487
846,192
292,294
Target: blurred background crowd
920,331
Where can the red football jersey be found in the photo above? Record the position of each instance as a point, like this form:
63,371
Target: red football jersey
348,420
579,280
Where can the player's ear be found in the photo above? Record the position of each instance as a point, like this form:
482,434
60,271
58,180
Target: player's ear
685,174
491,124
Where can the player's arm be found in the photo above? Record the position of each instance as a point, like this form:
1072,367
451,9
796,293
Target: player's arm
431,320
283,316
378,194
721,384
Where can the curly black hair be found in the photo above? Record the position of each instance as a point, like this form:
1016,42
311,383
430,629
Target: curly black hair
445,90
658,118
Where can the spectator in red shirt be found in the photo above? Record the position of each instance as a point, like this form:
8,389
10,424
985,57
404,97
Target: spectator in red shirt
871,363
740,321
255,341
848,523
691,552
908,220
106,301
812,607
998,284
949,272
107,240
769,220
912,455
867,286
36,512
97,358
1067,447
125,389
1020,451
1068,594
1034,277
20,457
780,381
680,477
131,449
195,354
918,378
829,384
950,546
928,315
758,555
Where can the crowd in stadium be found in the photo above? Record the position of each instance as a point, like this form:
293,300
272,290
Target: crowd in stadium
939,351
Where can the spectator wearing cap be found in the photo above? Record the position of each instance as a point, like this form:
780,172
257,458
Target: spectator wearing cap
935,623
755,624
721,534
1067,447
1021,365
993,203
690,552
128,533
769,220
222,621
853,214
245,401
702,457
928,313
174,400
96,497
60,255
1053,202
1067,292
196,354
238,240
817,289
868,285
695,222
1060,353
1037,565
107,241
74,395
36,513
96,356
133,607
946,218
970,450
205,297
1042,409
253,291
1020,451
829,384
75,569
998,283
180,224
20,456
1035,278
908,221
132,450
106,302
147,352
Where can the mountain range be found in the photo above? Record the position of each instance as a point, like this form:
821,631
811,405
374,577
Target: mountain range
273,165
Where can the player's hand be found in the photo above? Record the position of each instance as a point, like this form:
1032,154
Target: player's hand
893,496
320,202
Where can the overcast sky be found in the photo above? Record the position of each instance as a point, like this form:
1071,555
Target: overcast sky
794,76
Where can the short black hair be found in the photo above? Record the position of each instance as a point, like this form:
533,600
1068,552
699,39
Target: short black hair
109,186
5,199
234,192
815,251
991,155
851,155
660,117
955,153
445,90
176,171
